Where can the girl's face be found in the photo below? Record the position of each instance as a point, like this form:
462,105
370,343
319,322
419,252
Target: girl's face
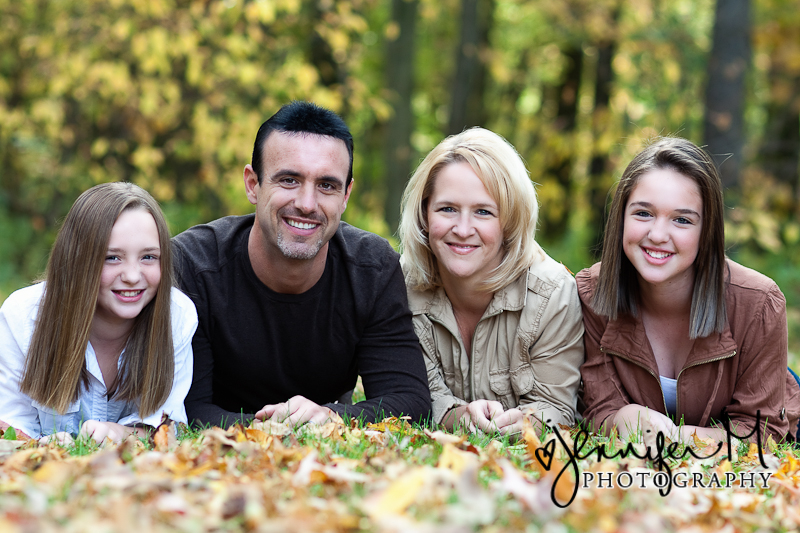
662,225
464,227
132,268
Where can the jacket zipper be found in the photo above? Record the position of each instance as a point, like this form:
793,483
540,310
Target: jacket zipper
712,360
663,399
677,406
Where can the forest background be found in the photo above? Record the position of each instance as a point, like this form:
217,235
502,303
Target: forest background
169,94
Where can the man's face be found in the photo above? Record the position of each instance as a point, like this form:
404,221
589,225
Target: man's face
302,194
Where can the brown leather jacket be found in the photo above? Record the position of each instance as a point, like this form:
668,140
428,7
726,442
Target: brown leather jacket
741,371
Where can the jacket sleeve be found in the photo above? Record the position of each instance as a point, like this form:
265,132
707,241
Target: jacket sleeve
762,374
603,393
556,356
16,328
390,360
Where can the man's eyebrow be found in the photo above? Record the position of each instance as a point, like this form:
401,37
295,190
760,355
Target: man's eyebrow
282,173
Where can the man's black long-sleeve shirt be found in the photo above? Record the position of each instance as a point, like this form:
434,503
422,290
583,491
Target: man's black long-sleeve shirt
256,347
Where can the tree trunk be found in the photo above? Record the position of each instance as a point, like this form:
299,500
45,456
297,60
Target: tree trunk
779,154
400,80
469,82
560,153
599,172
725,92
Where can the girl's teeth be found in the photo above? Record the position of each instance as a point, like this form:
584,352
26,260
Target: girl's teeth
657,255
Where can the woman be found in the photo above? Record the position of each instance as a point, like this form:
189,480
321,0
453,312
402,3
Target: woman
678,337
104,345
498,320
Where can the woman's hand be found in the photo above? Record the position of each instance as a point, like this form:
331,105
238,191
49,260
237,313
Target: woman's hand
99,431
487,416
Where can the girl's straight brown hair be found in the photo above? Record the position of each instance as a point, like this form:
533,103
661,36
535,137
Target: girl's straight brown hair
617,284
55,366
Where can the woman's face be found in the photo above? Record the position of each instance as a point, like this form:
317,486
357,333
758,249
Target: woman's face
131,270
464,227
662,226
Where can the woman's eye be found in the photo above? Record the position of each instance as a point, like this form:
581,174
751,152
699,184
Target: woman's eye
485,213
447,210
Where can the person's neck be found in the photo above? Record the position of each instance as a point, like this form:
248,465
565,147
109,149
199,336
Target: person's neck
669,301
283,274
467,297
109,338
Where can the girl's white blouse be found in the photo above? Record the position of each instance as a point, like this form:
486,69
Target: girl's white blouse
17,321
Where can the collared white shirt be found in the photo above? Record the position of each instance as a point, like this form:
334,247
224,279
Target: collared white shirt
17,322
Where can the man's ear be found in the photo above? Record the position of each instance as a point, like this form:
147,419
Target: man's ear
347,193
251,186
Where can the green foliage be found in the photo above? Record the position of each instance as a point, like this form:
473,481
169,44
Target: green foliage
170,93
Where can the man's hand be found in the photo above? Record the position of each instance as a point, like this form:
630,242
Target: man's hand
298,410
99,431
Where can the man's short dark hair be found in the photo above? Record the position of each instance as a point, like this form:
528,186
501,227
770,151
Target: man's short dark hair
303,118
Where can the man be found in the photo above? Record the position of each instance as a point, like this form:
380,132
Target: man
293,304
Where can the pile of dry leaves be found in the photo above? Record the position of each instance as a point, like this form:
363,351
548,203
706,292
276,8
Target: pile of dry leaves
389,477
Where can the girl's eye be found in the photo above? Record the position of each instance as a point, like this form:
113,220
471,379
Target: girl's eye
641,214
112,258
683,220
150,257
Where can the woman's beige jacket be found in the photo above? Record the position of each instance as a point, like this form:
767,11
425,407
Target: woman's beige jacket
526,351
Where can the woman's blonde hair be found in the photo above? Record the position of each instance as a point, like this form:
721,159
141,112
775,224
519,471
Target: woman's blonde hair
503,173
55,366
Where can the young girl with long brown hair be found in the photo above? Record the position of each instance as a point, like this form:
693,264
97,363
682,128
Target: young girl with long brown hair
680,339
103,346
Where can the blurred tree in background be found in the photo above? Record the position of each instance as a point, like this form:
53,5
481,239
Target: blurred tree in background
170,93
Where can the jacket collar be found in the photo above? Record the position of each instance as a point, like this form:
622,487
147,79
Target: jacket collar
436,304
626,337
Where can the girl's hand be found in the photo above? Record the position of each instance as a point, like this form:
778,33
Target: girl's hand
634,418
99,431
62,438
